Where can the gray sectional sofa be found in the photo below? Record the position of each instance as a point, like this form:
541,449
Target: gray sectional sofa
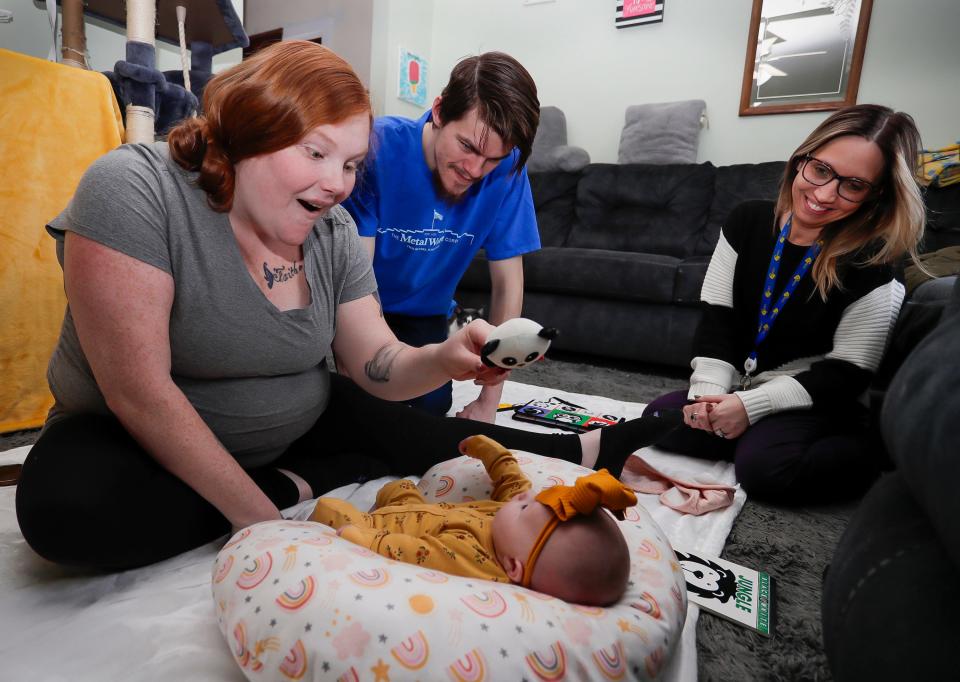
626,248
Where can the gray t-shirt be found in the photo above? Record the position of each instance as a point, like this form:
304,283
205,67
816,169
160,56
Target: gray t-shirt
255,375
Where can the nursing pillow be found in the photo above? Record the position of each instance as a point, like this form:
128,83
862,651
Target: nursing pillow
296,602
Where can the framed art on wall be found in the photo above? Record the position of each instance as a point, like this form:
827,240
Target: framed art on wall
803,55
412,81
638,12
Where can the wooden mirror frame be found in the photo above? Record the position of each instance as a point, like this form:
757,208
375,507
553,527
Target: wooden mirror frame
853,82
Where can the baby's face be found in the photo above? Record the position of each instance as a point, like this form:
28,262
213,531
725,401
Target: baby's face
517,525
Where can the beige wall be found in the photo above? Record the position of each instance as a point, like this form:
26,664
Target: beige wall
367,33
345,26
593,71
406,24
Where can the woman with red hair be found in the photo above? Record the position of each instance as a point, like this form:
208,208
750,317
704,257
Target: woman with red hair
208,278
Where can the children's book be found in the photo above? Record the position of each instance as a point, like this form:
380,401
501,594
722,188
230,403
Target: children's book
562,414
735,592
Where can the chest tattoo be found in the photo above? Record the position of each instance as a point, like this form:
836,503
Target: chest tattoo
281,274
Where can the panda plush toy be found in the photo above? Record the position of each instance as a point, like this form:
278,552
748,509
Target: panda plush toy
516,343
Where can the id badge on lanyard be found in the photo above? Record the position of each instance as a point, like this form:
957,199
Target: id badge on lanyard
770,309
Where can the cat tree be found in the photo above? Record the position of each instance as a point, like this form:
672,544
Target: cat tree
152,101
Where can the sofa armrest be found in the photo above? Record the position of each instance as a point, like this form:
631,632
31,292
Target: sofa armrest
920,425
919,316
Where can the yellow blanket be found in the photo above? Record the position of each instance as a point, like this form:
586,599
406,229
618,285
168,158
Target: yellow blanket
54,121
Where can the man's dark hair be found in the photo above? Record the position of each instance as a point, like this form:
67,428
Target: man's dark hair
504,94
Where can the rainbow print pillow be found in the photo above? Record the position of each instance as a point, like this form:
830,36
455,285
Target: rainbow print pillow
295,602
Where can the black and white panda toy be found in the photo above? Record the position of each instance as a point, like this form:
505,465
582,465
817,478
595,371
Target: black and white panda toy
516,343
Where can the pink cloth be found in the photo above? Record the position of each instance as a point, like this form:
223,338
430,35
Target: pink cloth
684,496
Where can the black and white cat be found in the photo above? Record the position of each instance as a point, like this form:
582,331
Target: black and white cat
462,317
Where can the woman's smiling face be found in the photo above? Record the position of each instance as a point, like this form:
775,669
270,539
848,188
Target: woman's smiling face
852,156
283,193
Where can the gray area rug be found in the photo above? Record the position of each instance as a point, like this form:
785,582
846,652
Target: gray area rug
794,545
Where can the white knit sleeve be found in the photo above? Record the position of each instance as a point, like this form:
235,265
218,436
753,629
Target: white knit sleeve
711,377
779,394
864,329
718,282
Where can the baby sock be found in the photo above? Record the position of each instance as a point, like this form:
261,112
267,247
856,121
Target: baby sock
619,441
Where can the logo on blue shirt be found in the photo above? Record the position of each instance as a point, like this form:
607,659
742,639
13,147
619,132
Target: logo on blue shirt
427,239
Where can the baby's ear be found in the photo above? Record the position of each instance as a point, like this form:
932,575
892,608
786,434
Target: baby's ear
513,567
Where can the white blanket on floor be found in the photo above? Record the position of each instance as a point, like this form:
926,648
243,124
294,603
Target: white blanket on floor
158,623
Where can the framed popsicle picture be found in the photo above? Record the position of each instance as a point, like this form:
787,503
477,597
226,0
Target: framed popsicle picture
412,84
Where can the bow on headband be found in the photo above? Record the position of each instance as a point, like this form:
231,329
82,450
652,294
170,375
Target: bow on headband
589,492
582,498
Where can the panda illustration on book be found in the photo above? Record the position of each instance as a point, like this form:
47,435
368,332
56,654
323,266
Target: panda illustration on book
516,343
706,578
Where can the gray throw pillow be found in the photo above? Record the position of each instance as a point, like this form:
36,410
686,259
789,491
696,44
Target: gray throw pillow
562,158
550,149
661,133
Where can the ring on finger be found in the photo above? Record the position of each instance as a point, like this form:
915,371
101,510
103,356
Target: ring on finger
693,416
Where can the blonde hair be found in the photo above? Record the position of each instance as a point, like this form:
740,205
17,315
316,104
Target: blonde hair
890,222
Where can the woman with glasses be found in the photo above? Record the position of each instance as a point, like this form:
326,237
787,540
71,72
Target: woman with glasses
798,302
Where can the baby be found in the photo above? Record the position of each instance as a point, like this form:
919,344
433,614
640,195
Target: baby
559,542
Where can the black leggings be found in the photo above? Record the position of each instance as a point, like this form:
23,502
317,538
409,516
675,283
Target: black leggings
792,457
90,496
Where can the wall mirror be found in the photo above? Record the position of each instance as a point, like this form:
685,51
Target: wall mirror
803,55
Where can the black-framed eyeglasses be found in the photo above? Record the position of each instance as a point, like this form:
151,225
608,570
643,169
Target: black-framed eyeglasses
820,173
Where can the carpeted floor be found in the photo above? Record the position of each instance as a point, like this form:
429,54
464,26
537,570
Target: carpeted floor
794,545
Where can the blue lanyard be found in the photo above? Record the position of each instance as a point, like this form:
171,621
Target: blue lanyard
768,312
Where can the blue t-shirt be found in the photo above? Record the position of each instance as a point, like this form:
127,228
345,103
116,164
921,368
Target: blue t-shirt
424,243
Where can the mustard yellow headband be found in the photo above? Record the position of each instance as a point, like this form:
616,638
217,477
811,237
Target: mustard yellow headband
566,501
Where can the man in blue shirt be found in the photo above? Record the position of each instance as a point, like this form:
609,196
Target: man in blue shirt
436,190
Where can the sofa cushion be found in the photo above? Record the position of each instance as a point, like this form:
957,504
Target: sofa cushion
642,207
477,275
734,185
690,274
943,217
589,273
554,196
601,273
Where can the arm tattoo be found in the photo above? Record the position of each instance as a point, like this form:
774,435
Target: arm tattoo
378,369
